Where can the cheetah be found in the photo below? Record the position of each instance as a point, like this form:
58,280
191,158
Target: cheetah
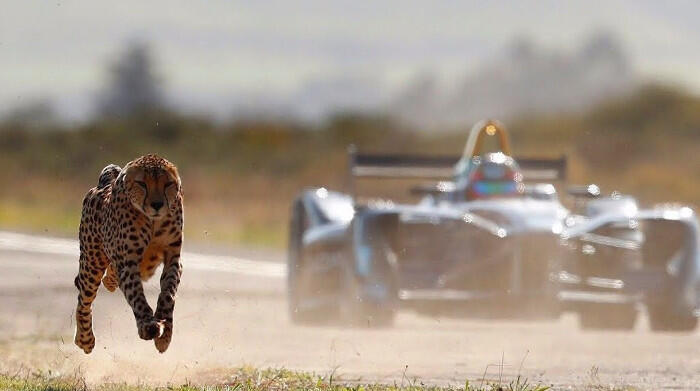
131,223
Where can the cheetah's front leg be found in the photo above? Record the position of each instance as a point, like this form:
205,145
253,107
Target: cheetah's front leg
130,284
169,281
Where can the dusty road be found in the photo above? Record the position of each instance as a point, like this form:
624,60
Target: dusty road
231,312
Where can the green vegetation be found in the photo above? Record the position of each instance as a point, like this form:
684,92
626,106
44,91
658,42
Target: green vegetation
240,177
248,379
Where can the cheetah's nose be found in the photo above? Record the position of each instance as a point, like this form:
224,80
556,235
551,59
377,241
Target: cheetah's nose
157,205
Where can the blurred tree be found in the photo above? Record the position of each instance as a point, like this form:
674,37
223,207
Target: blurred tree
134,88
32,115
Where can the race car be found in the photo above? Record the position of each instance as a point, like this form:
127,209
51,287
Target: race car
490,238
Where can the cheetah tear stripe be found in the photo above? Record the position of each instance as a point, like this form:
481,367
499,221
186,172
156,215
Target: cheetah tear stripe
45,245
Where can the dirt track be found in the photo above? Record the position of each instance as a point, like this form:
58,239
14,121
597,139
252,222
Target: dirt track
227,319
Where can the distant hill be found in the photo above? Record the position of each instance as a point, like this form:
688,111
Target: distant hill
526,78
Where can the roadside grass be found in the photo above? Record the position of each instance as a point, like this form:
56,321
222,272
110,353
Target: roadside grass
39,217
42,370
253,210
248,379
251,379
203,223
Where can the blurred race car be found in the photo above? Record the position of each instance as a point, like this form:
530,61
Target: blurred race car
493,241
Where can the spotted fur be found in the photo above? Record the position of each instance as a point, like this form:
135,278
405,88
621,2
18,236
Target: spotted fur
131,223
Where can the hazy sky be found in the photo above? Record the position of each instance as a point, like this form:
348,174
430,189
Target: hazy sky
214,50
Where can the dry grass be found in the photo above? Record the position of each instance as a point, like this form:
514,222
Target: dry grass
249,379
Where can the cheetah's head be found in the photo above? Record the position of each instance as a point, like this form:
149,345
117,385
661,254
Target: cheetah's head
153,186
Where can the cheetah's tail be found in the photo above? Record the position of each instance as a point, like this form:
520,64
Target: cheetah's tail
108,175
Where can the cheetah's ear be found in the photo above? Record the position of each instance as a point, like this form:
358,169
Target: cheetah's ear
122,175
121,178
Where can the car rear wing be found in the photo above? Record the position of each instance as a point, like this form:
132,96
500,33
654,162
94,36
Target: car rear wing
377,166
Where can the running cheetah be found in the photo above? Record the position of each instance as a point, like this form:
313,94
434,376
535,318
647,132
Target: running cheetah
131,223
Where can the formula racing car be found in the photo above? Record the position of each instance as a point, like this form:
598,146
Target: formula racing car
489,238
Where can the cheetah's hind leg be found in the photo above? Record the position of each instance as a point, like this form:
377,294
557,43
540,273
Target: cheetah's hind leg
87,282
110,279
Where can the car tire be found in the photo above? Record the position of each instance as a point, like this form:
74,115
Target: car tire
356,311
295,262
664,319
620,317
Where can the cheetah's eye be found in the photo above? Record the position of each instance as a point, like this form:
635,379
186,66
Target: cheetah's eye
140,183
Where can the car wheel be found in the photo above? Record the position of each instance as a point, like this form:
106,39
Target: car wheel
608,317
296,297
358,311
663,318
